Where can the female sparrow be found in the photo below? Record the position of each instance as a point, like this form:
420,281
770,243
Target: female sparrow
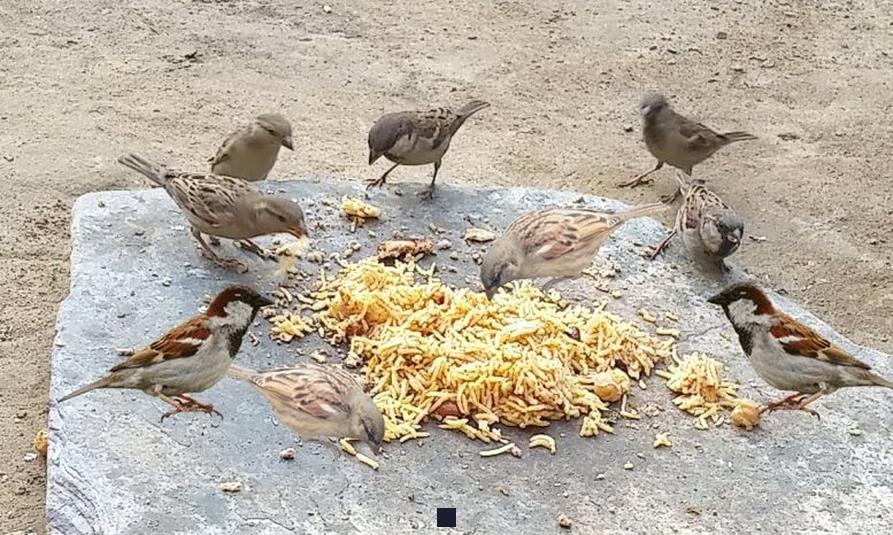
224,207
711,229
191,357
556,242
317,401
677,140
787,354
417,138
250,152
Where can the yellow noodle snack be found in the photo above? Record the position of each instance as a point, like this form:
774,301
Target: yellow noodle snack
517,360
702,390
357,208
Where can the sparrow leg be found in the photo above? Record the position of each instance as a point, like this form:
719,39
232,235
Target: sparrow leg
552,282
662,245
199,406
428,193
379,182
639,180
336,450
212,256
213,241
671,197
252,247
804,402
784,403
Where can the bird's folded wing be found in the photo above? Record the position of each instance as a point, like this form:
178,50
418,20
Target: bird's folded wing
223,151
698,135
799,340
319,392
181,342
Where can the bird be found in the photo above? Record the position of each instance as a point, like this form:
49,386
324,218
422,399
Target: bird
555,242
318,401
674,139
191,357
788,354
711,229
250,152
417,138
224,207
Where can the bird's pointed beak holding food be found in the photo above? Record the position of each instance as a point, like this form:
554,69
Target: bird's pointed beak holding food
263,301
373,447
490,292
298,231
288,142
373,156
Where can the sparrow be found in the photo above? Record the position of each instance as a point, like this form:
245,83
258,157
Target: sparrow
417,138
788,354
677,140
317,401
250,152
224,207
710,228
556,242
191,357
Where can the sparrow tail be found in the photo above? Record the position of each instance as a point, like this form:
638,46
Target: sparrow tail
641,211
242,374
467,111
154,172
100,383
880,381
732,137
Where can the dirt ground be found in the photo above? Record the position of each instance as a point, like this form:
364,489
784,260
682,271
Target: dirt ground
82,82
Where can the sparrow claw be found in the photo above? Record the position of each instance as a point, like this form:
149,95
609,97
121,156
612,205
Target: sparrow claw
375,183
636,182
671,197
427,194
213,241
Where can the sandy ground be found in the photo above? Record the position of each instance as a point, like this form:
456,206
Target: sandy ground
82,82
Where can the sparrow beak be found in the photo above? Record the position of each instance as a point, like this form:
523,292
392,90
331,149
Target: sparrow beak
490,292
717,299
298,231
373,156
263,301
373,447
288,142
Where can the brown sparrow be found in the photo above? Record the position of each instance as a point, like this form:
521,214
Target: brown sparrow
417,138
787,354
711,229
250,152
191,357
677,140
317,401
556,242
224,207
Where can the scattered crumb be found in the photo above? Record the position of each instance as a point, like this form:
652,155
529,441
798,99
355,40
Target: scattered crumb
662,440
413,247
628,466
40,442
358,208
287,454
746,414
564,522
647,316
231,486
478,235
856,431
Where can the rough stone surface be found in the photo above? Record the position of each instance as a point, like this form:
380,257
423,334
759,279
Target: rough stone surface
113,468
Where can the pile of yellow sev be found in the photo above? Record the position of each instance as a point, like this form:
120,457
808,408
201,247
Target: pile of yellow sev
519,360
703,392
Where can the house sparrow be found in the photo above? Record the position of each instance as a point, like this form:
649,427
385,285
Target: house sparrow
317,401
677,140
711,229
556,242
417,138
191,357
787,354
250,152
224,207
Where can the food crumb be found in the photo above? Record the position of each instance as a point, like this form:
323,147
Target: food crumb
662,440
628,466
564,522
287,454
231,486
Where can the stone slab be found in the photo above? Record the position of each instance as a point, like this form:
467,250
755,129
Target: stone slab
113,468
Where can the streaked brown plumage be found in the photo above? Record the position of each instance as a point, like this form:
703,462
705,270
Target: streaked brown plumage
788,354
250,152
317,401
711,229
674,139
191,357
417,138
224,207
556,242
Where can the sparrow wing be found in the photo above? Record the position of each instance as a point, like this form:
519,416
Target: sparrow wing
224,150
319,391
551,234
699,136
180,342
210,198
799,340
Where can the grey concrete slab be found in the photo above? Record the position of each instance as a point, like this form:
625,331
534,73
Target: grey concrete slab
113,468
